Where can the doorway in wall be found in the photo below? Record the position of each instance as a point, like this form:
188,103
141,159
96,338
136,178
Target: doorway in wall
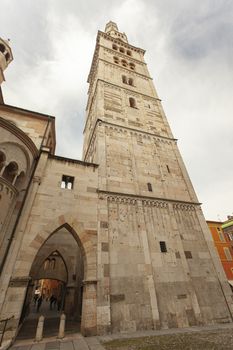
55,286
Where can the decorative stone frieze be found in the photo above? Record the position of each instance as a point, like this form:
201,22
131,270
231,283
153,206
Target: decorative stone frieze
184,207
149,202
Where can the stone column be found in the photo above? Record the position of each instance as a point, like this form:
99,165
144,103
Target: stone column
89,319
149,277
62,324
103,269
2,170
40,327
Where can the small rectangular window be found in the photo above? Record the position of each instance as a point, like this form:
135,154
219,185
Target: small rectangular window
188,254
149,186
168,169
163,247
67,182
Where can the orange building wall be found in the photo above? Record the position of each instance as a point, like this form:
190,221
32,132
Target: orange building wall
217,233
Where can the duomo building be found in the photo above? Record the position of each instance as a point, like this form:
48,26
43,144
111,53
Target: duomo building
118,237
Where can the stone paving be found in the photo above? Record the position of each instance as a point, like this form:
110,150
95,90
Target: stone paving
75,342
216,337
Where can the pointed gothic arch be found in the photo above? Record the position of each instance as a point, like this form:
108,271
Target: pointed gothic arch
86,239
87,242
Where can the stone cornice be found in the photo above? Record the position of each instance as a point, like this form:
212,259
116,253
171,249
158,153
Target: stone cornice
147,77
25,111
146,200
148,135
6,124
129,91
70,160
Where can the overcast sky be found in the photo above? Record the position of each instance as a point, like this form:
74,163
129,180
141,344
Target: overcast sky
189,48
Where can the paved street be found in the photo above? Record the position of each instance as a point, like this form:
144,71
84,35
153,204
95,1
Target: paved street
51,324
74,342
217,337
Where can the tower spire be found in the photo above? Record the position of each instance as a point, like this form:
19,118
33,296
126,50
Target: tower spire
111,29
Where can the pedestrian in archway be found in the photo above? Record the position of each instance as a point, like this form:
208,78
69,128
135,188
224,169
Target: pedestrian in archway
52,301
36,296
59,303
39,302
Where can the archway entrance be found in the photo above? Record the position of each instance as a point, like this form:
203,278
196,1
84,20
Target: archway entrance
55,287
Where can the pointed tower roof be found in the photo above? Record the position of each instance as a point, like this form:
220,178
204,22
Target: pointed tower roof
112,29
110,26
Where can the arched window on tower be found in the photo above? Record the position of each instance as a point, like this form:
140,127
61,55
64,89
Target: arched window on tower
122,50
132,66
124,63
116,60
129,53
130,81
132,102
2,48
115,47
124,79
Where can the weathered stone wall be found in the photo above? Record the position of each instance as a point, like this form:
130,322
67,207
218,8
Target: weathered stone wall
149,288
50,207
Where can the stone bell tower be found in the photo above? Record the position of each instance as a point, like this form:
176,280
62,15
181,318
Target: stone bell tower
157,266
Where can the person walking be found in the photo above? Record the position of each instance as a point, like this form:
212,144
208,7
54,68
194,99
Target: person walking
39,302
51,301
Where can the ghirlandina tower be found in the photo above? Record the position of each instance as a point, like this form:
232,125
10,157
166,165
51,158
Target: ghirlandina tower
156,263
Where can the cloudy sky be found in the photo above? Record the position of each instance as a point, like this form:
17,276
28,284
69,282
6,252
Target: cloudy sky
189,48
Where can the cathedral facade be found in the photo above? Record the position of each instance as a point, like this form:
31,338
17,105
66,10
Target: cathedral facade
122,231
